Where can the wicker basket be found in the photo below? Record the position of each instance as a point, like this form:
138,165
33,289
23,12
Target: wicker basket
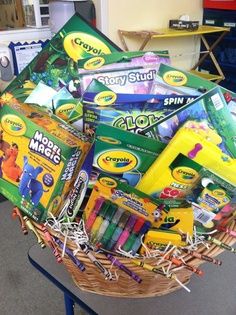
152,284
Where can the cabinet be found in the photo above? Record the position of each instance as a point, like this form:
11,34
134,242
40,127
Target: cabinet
225,52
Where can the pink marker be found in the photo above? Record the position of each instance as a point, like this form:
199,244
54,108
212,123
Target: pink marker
125,234
94,213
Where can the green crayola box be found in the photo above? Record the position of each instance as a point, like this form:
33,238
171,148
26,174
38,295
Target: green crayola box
56,64
123,154
39,157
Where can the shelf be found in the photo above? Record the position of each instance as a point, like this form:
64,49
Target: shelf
207,76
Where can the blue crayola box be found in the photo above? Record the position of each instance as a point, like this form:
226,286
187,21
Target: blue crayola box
39,158
123,154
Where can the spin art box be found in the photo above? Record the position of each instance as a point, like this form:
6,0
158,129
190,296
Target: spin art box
39,158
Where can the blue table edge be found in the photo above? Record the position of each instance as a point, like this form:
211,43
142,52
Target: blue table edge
66,292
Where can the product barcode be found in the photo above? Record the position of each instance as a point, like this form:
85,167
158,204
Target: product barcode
202,217
217,101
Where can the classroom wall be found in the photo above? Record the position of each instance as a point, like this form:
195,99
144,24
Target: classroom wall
149,15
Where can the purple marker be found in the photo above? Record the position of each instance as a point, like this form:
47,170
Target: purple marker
125,234
94,213
122,267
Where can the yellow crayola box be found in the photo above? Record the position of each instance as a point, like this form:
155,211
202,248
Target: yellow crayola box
128,198
176,170
179,220
154,239
39,158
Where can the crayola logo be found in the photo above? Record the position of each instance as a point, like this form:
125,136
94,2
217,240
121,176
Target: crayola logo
117,161
185,175
80,45
105,98
175,78
64,110
13,125
108,182
94,63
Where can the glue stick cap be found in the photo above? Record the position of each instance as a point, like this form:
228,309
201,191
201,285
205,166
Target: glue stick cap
105,207
117,215
138,225
131,222
145,227
123,219
110,212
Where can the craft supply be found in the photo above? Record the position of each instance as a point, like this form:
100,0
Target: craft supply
92,217
99,219
32,228
159,271
136,230
17,213
119,229
50,241
107,219
70,254
220,244
111,228
122,267
226,230
202,257
126,232
138,241
96,262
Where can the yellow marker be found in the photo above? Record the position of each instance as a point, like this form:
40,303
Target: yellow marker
31,227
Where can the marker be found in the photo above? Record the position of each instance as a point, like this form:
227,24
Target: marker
137,227
226,230
94,213
17,213
122,267
111,228
107,219
119,229
202,257
70,254
138,242
51,244
126,232
96,262
31,227
98,221
220,244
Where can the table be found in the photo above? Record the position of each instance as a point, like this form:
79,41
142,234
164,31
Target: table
148,35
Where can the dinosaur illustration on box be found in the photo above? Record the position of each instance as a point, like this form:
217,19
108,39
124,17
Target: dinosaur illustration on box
29,186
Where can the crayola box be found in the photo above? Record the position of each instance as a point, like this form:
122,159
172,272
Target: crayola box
209,113
128,198
124,59
56,65
124,155
131,112
39,157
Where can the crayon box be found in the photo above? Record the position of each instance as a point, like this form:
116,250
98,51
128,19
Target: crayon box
39,157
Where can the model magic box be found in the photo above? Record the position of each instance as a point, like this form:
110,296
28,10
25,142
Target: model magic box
39,157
